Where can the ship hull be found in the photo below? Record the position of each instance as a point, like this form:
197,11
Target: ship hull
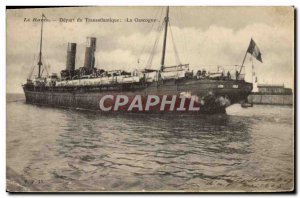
206,96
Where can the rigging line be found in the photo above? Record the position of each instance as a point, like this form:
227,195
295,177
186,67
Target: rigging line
152,54
174,46
152,50
150,30
155,47
45,65
32,67
179,27
42,71
44,60
184,34
150,59
156,31
34,59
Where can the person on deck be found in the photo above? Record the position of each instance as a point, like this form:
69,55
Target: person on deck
236,75
204,73
228,75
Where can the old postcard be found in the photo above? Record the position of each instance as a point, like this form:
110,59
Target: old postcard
150,99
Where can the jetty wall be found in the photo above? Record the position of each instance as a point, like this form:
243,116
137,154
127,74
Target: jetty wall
280,99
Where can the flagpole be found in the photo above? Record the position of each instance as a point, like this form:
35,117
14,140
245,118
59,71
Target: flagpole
252,79
243,62
252,70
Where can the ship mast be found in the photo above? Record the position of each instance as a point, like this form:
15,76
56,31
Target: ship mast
162,63
41,44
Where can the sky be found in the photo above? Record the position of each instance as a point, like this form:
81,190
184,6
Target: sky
205,38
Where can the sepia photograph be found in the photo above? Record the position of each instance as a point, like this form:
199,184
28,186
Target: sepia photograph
150,99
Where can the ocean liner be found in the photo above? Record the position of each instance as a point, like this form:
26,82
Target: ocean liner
167,89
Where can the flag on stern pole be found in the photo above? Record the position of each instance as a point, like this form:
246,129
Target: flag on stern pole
254,50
